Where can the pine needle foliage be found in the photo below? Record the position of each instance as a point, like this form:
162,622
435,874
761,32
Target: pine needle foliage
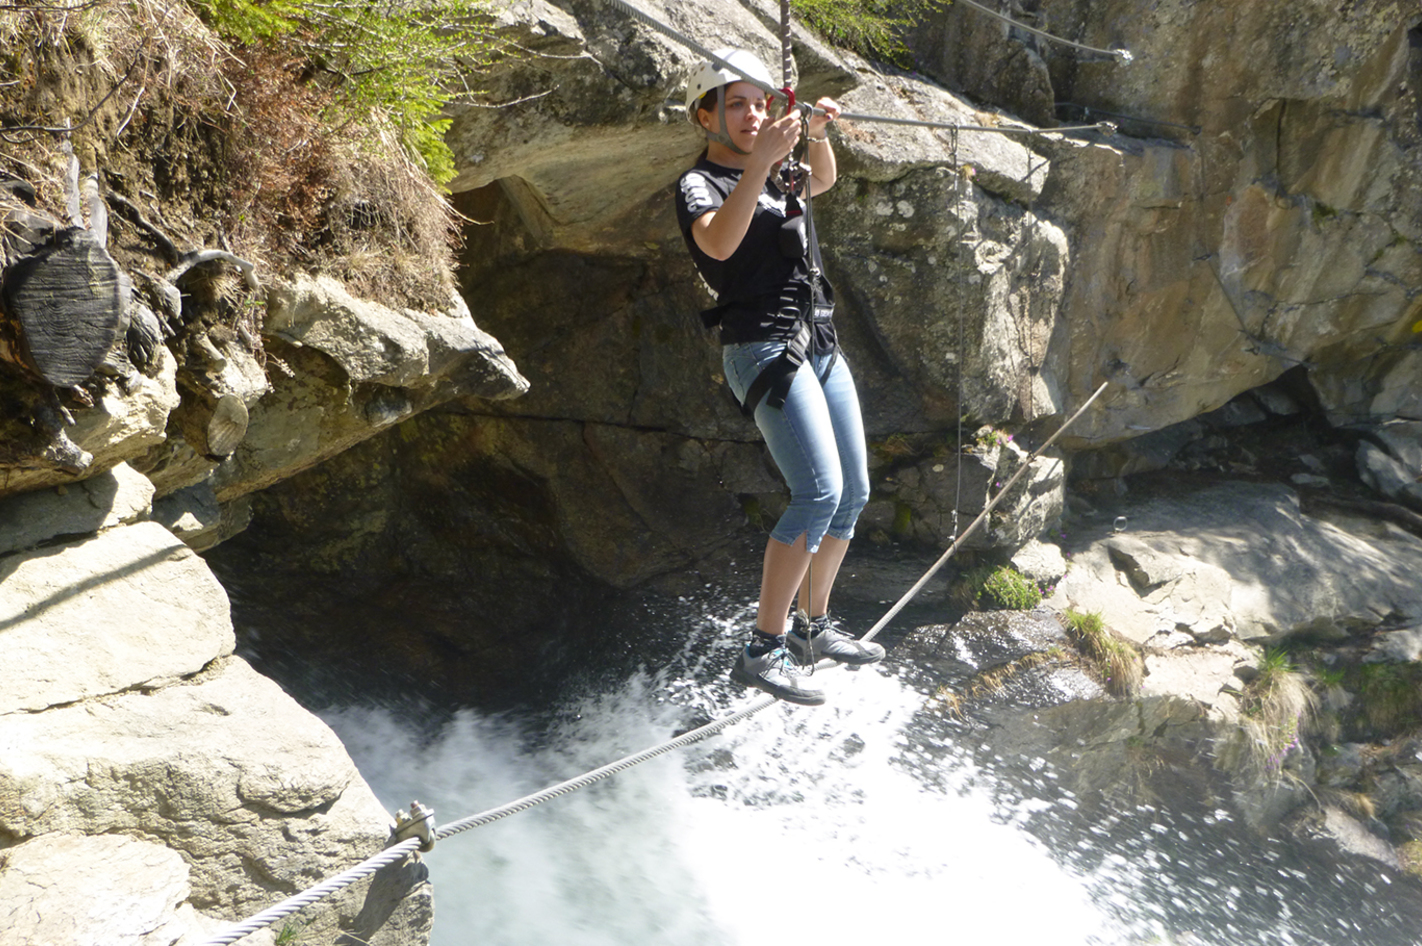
396,58
872,28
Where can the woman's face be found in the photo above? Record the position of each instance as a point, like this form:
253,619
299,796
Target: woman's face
745,113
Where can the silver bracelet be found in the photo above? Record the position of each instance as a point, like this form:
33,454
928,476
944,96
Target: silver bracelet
818,141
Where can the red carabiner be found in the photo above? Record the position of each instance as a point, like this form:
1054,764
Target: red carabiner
789,93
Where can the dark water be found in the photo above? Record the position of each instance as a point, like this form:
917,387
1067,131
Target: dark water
875,816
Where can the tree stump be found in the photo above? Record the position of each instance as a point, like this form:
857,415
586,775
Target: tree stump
63,308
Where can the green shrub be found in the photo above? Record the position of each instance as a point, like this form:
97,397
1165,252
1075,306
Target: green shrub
393,58
1007,588
873,28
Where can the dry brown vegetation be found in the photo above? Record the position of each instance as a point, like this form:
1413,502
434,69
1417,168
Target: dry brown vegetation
216,145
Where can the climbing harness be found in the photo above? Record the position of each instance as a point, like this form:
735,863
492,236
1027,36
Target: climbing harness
798,240
414,830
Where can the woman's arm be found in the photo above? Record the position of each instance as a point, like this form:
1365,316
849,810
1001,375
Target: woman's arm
824,169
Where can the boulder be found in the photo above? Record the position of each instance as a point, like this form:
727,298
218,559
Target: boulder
1241,557
354,368
195,516
130,608
117,497
256,794
134,893
1392,463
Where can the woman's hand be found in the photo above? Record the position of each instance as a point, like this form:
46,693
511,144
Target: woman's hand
775,140
818,123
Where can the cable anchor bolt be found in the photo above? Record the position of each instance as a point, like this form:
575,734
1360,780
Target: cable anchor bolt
418,822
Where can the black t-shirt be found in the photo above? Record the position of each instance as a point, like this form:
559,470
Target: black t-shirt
760,290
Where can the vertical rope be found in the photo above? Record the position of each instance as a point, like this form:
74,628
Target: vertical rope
962,355
785,41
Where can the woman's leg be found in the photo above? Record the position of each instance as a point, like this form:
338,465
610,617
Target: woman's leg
819,577
779,578
801,439
842,403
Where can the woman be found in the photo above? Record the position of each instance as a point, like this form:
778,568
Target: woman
743,223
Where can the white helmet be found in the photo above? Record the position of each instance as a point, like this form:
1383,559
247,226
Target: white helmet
709,75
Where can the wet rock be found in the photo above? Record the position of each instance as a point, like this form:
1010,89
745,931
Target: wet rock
1336,827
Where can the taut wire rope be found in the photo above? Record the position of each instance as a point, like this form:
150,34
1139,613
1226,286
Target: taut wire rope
1120,55
677,36
992,504
409,845
400,850
961,173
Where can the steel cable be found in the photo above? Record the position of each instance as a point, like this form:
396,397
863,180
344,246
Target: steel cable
958,542
319,892
597,775
1120,55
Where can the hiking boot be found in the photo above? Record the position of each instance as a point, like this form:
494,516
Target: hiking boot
813,638
775,672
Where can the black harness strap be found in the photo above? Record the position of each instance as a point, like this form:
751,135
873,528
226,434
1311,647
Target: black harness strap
775,378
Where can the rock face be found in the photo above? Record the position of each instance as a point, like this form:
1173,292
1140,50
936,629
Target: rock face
136,892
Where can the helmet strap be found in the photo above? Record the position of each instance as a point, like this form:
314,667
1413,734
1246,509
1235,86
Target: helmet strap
720,137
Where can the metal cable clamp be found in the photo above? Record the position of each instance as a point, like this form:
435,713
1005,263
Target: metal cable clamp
418,822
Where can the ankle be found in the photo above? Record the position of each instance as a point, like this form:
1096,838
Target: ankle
762,642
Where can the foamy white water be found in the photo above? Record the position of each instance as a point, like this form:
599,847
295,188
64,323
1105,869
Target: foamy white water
796,823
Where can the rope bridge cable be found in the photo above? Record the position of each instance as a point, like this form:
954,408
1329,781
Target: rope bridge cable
1120,55
1106,128
992,504
322,890
779,94
597,775
402,849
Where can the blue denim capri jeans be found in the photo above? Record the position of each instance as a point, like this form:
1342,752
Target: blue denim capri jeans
816,440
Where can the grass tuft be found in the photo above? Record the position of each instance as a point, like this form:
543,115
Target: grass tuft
1115,661
1278,709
